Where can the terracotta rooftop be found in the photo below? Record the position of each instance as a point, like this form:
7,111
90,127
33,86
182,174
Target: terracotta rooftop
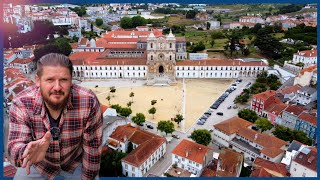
232,125
265,95
22,61
139,155
294,109
308,160
123,133
276,169
308,69
260,172
229,163
308,118
307,53
277,109
191,150
272,100
290,89
271,145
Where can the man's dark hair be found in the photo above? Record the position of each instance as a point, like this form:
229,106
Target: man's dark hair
54,59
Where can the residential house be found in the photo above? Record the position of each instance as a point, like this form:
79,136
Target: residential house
307,57
148,148
265,168
203,16
225,131
252,19
254,144
240,25
214,24
191,156
288,93
74,33
25,65
229,163
306,95
304,164
307,123
263,100
289,116
110,124
307,76
294,148
275,111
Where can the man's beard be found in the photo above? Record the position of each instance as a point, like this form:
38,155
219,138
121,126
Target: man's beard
55,106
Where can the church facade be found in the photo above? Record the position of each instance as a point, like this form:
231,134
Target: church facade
150,55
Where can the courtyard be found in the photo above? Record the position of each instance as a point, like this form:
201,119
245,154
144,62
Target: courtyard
200,94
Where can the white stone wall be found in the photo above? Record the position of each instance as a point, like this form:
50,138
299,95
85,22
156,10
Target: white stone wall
297,170
184,163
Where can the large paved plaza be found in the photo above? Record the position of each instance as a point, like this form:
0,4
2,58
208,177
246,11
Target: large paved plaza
200,94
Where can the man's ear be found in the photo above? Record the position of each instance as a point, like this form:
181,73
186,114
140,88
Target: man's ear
37,80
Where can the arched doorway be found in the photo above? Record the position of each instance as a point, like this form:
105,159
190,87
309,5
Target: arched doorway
161,69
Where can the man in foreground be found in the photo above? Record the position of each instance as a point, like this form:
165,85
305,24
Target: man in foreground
55,127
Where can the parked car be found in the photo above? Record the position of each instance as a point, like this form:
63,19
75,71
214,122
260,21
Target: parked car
229,107
208,113
149,126
140,124
175,136
200,123
235,106
211,130
220,113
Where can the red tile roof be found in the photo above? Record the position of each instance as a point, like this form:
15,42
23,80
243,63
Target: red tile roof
308,69
232,125
271,145
208,173
260,172
307,53
294,109
22,61
214,62
139,155
290,89
271,101
265,95
229,162
123,133
103,108
277,109
276,169
191,150
307,160
308,118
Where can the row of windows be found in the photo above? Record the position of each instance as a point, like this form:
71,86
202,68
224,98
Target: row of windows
206,74
115,74
221,68
108,68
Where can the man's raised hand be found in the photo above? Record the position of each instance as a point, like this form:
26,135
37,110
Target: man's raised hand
35,151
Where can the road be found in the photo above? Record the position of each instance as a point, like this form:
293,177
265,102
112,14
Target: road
162,165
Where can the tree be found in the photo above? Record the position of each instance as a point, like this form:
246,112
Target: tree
212,42
117,107
139,119
111,164
248,115
165,126
99,21
108,98
208,25
138,21
125,112
126,23
64,46
131,95
201,136
264,124
191,14
112,89
130,147
287,134
129,103
153,102
178,118
152,111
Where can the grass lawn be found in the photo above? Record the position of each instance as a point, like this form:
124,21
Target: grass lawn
181,20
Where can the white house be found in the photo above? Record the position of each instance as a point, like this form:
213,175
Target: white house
308,57
307,76
191,156
25,65
306,95
304,164
147,148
